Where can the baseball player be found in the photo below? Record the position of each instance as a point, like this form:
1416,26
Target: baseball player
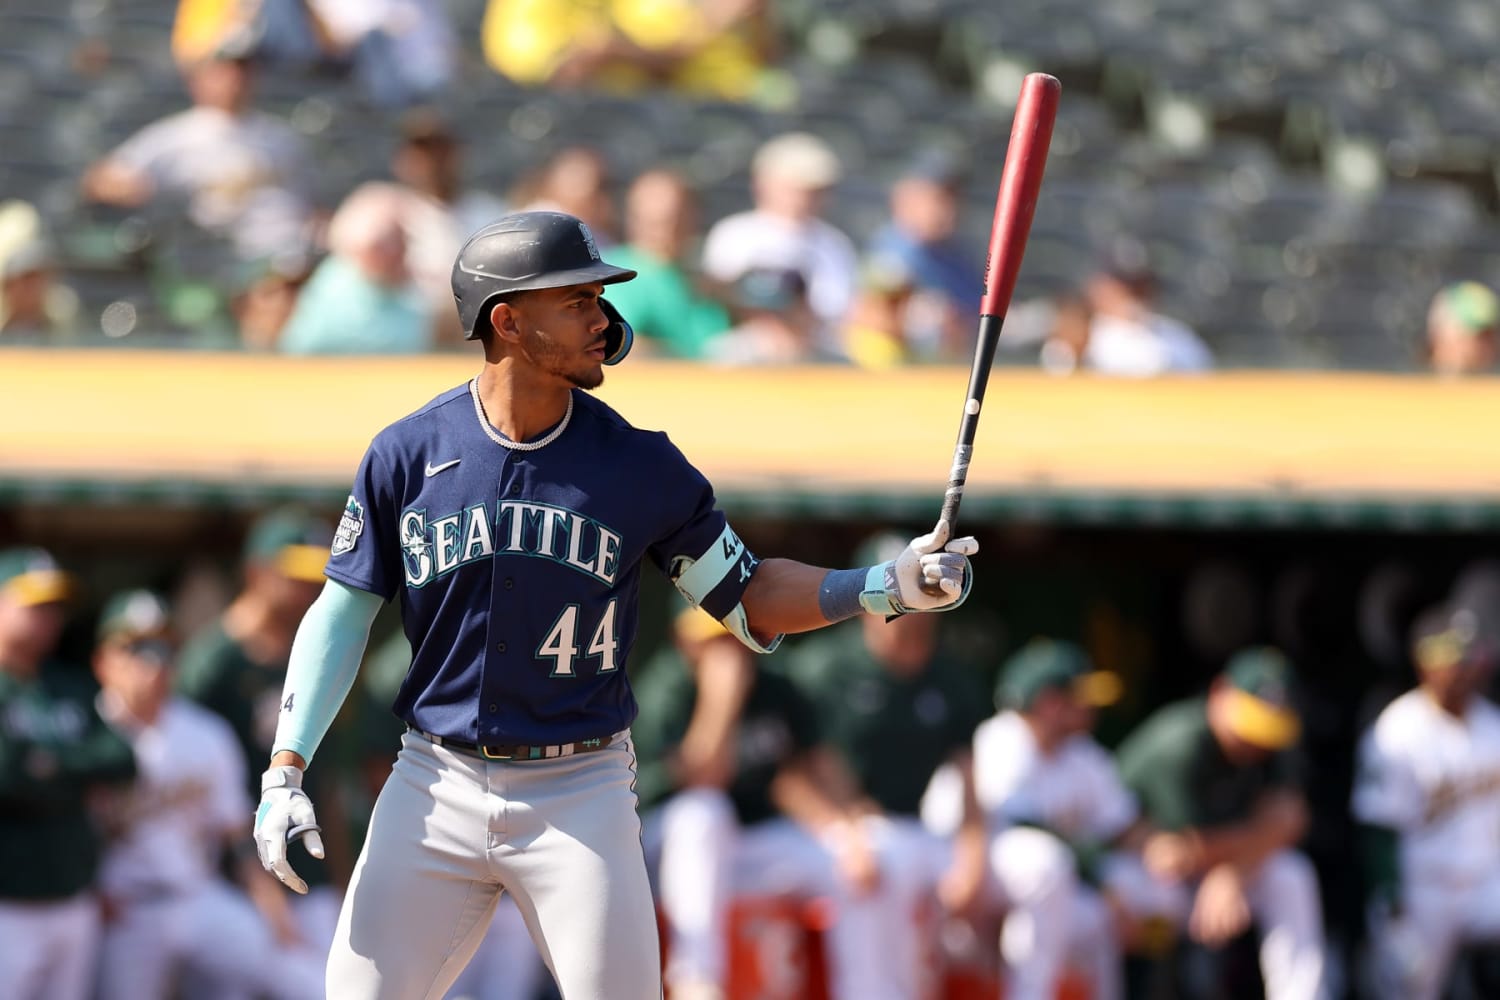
512,515
1218,780
54,752
1427,797
751,802
171,914
1053,809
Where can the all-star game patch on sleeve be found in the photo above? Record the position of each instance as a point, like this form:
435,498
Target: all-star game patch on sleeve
364,553
702,554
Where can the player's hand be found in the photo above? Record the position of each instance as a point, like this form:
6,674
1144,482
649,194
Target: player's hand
1220,909
285,814
932,573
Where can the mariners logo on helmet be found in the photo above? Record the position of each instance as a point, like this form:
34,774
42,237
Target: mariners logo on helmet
530,250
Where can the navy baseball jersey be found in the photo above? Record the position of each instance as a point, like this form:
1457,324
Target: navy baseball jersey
518,564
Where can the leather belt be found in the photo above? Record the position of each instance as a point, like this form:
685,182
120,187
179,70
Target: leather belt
516,751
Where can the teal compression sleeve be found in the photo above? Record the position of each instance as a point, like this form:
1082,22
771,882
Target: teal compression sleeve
325,659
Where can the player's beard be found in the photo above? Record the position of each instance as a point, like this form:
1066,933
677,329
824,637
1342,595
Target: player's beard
554,359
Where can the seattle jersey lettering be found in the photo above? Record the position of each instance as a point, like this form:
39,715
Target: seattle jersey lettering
435,547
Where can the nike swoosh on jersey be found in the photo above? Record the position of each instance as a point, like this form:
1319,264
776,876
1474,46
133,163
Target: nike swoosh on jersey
433,470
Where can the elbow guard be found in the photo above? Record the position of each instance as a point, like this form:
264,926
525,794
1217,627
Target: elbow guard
718,577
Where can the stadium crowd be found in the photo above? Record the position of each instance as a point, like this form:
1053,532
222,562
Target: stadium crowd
269,267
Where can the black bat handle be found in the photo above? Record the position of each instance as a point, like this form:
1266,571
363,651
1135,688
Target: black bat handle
968,426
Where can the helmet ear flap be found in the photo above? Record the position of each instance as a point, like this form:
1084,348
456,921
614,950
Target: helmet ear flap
619,337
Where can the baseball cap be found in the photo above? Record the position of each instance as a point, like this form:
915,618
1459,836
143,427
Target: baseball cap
798,156
1258,696
1471,306
294,542
769,288
30,576
424,125
943,167
1446,637
134,614
1050,664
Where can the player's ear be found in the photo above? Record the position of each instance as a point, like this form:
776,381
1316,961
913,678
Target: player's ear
503,321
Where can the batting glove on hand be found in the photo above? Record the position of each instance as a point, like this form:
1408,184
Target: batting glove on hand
931,574
285,814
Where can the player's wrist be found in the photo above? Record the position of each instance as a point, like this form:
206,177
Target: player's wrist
845,593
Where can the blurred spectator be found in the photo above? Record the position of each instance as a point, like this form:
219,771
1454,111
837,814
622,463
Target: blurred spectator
707,48
55,753
169,912
774,323
361,299
398,50
236,667
1126,335
750,802
244,176
663,303
1462,329
440,212
897,706
1427,797
790,175
575,180
1058,822
875,331
1066,340
34,306
265,301
1219,783
922,236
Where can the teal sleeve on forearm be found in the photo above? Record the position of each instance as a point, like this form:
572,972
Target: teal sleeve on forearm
325,660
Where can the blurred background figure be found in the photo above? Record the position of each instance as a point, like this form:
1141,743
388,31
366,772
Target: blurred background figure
1126,335
897,705
672,312
1427,798
35,307
265,300
1056,815
576,180
1220,785
397,51
56,753
1461,329
790,176
170,916
922,234
239,174
774,323
441,211
235,668
360,298
707,48
1065,343
875,333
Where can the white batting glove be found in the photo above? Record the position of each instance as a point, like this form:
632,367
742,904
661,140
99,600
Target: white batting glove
896,587
285,814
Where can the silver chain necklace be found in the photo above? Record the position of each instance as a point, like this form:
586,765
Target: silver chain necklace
506,442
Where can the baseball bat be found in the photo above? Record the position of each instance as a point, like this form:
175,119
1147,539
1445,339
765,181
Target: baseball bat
1020,184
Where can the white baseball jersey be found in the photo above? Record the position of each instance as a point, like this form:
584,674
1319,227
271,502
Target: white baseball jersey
1074,791
1435,778
190,789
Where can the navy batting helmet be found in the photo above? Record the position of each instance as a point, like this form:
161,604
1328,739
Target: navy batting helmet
530,250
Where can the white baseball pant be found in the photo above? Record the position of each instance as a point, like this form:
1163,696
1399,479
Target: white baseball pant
1286,905
707,857
450,832
49,948
215,935
1413,953
506,966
